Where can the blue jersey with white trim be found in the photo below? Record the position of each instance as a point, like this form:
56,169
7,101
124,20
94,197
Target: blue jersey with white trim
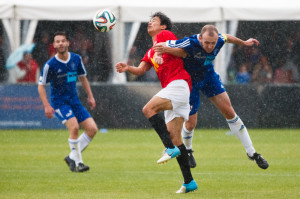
198,62
62,76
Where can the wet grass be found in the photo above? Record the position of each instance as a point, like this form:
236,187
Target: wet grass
123,165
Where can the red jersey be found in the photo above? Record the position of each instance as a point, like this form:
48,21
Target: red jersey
30,72
172,67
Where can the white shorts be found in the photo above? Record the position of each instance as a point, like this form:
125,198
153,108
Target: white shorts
179,93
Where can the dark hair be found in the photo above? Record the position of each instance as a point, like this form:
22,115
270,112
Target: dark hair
164,20
63,33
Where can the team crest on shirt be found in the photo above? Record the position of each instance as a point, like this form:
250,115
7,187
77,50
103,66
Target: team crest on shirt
73,65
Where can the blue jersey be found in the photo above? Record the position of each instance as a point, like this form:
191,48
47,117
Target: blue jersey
198,62
62,76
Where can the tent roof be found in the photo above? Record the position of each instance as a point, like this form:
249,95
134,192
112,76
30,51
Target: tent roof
178,11
129,10
261,10
140,10
6,9
68,10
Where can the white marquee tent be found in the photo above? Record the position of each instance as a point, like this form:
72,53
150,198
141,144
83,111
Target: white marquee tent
137,11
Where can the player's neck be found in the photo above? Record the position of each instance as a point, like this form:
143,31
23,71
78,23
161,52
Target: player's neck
153,39
63,56
154,36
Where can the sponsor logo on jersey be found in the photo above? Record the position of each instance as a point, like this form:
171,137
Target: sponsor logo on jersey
199,56
209,59
72,77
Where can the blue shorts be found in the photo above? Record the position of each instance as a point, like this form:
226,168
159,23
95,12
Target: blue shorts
210,86
65,112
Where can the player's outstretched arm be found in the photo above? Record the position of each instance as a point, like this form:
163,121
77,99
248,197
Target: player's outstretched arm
86,86
163,48
238,41
140,70
49,111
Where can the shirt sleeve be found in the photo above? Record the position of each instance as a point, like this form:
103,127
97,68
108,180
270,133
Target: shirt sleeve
221,41
146,57
81,69
184,44
45,75
223,37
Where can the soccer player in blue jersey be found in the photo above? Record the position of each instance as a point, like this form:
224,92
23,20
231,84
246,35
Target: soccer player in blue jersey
62,72
198,52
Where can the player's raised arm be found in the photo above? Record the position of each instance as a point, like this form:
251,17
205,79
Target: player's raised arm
49,111
238,41
140,70
163,48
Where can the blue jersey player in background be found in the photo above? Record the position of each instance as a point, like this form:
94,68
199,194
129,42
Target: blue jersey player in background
198,52
62,72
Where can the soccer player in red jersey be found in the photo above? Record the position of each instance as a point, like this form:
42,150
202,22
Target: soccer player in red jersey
173,99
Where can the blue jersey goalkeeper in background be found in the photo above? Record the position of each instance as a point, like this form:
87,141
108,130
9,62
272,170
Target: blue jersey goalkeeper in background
62,72
198,52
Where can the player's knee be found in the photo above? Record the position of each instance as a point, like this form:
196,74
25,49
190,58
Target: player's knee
190,125
91,129
148,111
75,127
94,129
74,130
145,111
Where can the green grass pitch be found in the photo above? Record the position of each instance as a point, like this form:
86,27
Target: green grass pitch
123,165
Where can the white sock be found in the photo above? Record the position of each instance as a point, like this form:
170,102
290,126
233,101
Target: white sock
84,141
187,137
75,152
240,131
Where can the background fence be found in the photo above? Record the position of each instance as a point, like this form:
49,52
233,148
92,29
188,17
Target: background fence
120,106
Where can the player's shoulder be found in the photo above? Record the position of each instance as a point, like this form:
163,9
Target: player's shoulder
167,34
51,61
194,38
74,55
222,37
